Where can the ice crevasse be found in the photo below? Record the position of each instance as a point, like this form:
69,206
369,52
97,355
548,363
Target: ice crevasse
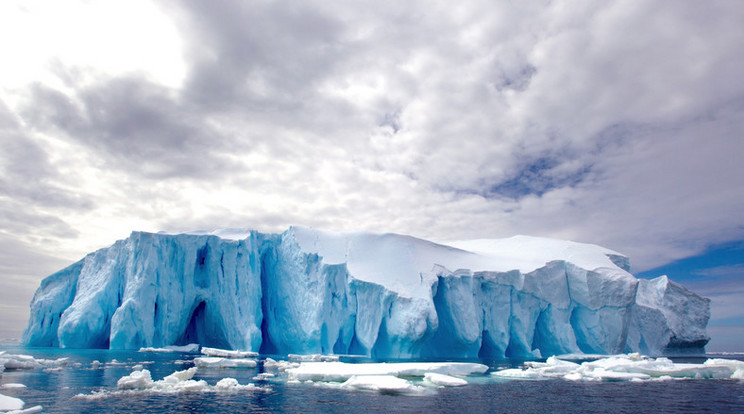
307,291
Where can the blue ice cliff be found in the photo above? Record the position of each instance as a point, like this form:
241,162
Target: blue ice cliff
307,291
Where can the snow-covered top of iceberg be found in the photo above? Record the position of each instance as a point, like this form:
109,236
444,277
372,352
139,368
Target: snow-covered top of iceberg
526,253
227,233
392,259
408,265
520,252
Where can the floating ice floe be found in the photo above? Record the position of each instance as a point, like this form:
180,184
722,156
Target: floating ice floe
341,371
12,386
406,378
280,366
12,405
115,363
630,367
19,361
226,353
187,349
217,362
231,384
386,384
444,380
264,376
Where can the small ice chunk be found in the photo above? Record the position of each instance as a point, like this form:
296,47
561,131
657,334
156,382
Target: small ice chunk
11,361
180,376
216,362
137,380
386,384
175,382
573,376
263,376
516,373
605,375
226,353
10,403
34,409
280,366
444,380
187,386
231,384
12,385
227,383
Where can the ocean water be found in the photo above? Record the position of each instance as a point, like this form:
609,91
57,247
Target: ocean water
84,387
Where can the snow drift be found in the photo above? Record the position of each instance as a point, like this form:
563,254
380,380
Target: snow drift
307,291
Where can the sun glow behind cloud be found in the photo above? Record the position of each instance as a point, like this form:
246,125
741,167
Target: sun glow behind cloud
92,38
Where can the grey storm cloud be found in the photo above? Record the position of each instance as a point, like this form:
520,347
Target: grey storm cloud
617,123
134,125
535,110
27,185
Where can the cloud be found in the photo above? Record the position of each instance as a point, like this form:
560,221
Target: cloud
736,270
136,126
615,123
22,267
725,295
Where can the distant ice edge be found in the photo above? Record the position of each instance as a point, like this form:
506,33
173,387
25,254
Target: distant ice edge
381,295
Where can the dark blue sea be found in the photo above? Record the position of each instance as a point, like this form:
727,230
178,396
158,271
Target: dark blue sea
82,386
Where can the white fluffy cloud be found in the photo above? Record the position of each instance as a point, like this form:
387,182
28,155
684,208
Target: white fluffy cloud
616,123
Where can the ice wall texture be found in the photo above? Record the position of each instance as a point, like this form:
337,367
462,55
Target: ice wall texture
381,295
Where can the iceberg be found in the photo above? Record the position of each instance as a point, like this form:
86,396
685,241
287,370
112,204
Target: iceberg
383,296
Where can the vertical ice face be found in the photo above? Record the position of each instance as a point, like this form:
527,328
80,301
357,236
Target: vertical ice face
153,290
308,306
668,316
53,297
380,295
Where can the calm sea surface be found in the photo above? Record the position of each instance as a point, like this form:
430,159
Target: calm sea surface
58,391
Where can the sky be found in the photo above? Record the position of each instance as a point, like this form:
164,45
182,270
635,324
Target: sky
617,123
